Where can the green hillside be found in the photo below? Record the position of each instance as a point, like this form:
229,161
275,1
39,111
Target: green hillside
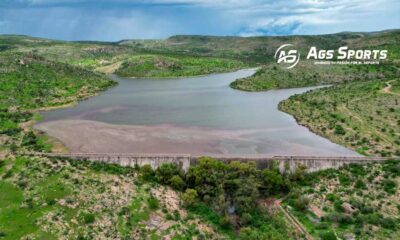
52,198
362,115
177,66
354,202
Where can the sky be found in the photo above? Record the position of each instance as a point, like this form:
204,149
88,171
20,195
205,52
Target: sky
113,20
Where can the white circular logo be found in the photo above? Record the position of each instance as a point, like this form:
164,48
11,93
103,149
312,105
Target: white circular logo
287,55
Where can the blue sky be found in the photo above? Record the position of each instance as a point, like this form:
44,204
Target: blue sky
108,20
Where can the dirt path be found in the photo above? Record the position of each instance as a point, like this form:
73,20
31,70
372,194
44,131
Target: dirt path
293,220
344,109
108,69
388,89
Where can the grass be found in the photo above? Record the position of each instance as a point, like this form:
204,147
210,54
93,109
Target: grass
376,210
55,198
16,222
360,115
306,74
167,66
30,82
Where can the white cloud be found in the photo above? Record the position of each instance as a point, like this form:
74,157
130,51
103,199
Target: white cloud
113,20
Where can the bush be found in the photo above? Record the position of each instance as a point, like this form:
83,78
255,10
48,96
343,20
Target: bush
339,218
88,218
153,203
338,205
189,197
328,235
147,173
373,218
302,202
389,186
177,182
245,219
166,171
388,223
322,225
360,184
331,197
339,130
225,221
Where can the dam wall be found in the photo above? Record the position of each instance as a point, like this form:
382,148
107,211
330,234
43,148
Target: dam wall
184,161
128,160
312,163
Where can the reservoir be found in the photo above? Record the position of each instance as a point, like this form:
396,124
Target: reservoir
196,115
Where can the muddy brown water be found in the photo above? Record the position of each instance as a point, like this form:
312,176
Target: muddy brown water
196,115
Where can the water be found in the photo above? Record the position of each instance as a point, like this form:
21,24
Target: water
233,121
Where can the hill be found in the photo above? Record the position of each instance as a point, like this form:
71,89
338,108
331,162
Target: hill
361,115
52,198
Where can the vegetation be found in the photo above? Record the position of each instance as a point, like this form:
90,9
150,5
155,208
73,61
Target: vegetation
53,198
361,115
163,66
124,60
229,195
68,199
28,81
351,202
262,49
306,74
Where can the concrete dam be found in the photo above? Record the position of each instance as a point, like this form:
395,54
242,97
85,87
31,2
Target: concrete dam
184,161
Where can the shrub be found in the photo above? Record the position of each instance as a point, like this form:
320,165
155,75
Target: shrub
153,203
177,182
225,221
245,218
166,171
344,179
373,218
339,130
388,223
88,218
359,184
338,205
389,186
189,197
147,173
322,225
339,218
302,202
331,197
328,235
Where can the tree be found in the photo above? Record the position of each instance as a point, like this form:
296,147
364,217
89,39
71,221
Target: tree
147,173
189,196
299,173
273,181
177,182
339,130
166,171
302,203
328,235
207,177
241,185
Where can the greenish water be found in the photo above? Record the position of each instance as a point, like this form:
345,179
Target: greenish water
209,104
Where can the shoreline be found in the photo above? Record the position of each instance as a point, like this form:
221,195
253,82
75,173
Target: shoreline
192,76
60,139
85,136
